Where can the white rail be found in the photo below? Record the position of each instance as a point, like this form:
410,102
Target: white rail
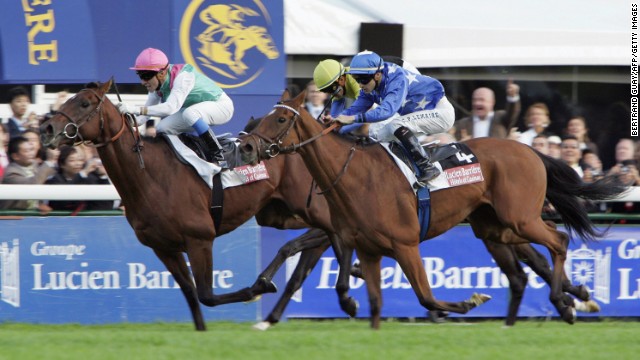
108,192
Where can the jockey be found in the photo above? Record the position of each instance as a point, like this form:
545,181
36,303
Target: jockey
330,77
419,101
184,98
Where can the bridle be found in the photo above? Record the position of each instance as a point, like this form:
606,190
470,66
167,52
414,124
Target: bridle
76,125
273,147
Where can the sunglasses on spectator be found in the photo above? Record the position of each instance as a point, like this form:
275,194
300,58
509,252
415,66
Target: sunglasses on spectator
363,79
146,75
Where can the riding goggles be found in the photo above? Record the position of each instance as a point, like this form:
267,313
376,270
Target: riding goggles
146,75
331,88
363,79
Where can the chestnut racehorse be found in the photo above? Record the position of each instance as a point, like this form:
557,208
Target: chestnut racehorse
167,203
373,207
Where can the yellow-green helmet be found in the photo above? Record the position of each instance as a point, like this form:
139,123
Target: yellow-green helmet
327,72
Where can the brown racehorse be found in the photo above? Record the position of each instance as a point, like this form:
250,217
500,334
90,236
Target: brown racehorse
315,242
167,203
373,208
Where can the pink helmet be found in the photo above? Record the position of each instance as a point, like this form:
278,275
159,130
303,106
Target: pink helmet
151,59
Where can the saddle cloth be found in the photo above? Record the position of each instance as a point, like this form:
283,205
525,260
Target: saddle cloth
237,176
456,162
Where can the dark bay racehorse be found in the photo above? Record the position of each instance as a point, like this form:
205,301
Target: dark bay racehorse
373,208
167,203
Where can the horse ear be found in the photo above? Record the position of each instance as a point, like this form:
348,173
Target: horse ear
105,87
300,98
285,95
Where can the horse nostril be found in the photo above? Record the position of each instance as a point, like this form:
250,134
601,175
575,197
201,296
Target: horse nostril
247,148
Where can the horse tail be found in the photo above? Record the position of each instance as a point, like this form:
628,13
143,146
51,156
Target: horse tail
566,192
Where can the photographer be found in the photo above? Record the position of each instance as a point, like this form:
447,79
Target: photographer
627,170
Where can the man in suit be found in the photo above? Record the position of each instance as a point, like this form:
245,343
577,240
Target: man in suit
484,121
23,169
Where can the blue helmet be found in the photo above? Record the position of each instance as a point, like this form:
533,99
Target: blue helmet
366,62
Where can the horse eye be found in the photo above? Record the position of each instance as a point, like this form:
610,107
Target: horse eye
281,120
85,104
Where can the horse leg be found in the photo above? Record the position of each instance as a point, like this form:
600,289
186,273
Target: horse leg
370,265
344,255
540,266
175,263
408,257
506,259
544,234
308,260
313,239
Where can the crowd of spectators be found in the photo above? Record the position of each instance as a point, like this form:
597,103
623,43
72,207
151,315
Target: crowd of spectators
23,159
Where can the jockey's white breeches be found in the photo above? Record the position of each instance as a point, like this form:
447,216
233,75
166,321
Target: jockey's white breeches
212,112
438,120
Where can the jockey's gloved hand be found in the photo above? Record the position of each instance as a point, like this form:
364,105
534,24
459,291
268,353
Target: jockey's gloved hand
125,108
345,119
349,128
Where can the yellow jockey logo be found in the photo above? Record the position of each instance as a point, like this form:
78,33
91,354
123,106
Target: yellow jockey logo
228,42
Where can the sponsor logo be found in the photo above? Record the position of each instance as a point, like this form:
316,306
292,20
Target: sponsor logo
591,268
253,173
10,272
462,175
230,43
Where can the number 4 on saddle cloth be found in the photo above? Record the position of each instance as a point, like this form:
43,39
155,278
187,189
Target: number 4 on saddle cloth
457,164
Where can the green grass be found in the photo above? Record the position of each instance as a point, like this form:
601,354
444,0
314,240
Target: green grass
327,340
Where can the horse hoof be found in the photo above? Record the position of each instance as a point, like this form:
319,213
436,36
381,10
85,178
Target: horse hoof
262,326
437,316
584,294
569,315
587,306
262,286
478,299
351,307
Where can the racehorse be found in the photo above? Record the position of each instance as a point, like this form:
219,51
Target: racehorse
167,203
315,242
373,207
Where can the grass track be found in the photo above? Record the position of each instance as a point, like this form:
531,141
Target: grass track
336,339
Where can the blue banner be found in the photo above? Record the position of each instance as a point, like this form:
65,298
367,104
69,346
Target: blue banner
458,265
93,270
239,44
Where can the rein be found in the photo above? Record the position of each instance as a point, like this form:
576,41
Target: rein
275,148
78,139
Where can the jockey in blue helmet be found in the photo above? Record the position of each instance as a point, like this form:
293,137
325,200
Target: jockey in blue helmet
412,103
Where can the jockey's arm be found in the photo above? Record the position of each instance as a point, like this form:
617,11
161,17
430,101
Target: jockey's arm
152,99
182,86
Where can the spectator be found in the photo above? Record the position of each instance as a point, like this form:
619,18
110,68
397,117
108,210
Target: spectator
577,126
4,139
315,100
23,169
416,104
537,120
19,101
571,154
34,138
485,122
72,169
592,166
541,143
184,98
626,166
554,146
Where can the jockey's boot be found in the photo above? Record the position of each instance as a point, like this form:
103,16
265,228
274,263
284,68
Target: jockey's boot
214,148
410,142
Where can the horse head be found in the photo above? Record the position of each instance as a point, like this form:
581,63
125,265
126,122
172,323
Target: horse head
82,118
273,135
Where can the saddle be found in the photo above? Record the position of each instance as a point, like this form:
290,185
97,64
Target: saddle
230,149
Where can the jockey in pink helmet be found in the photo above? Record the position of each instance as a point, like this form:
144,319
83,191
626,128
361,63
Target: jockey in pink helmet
182,97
